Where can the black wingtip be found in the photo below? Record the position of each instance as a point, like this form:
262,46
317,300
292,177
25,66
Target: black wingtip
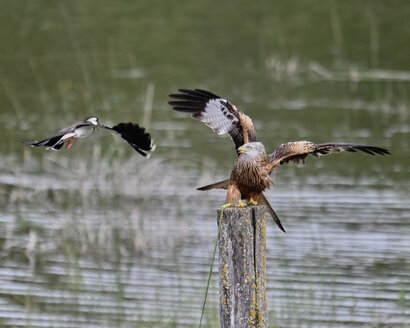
279,224
136,136
191,98
275,217
283,229
381,151
372,150
264,201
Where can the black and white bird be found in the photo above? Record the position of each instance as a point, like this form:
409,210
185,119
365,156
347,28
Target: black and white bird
135,135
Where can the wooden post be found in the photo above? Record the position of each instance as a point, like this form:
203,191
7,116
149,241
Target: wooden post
242,267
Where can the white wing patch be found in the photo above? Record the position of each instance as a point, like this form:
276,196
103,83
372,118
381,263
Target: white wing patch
218,117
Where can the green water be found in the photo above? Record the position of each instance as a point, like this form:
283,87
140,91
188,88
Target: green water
96,236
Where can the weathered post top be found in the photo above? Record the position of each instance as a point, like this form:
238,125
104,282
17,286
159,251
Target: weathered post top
242,267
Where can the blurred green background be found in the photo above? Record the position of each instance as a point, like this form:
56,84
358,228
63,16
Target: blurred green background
96,236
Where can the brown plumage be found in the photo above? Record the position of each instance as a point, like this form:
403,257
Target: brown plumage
250,175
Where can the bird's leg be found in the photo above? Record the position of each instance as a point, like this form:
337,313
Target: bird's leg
242,204
245,203
70,142
67,142
239,204
253,202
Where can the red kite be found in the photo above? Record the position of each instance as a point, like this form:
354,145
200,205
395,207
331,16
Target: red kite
251,173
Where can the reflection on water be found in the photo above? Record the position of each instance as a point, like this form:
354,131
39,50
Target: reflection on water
96,236
93,260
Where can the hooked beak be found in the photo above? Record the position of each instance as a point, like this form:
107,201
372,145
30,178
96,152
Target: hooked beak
242,149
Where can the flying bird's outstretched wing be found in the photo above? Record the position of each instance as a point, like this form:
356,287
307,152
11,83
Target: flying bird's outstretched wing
298,151
136,136
217,113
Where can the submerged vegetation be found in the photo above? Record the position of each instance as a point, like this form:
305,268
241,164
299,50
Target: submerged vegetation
97,203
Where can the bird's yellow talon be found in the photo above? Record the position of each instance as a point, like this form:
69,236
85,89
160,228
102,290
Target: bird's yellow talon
241,204
253,202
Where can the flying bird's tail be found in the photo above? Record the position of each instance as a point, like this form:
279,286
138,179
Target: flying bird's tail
217,185
33,143
51,143
264,201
